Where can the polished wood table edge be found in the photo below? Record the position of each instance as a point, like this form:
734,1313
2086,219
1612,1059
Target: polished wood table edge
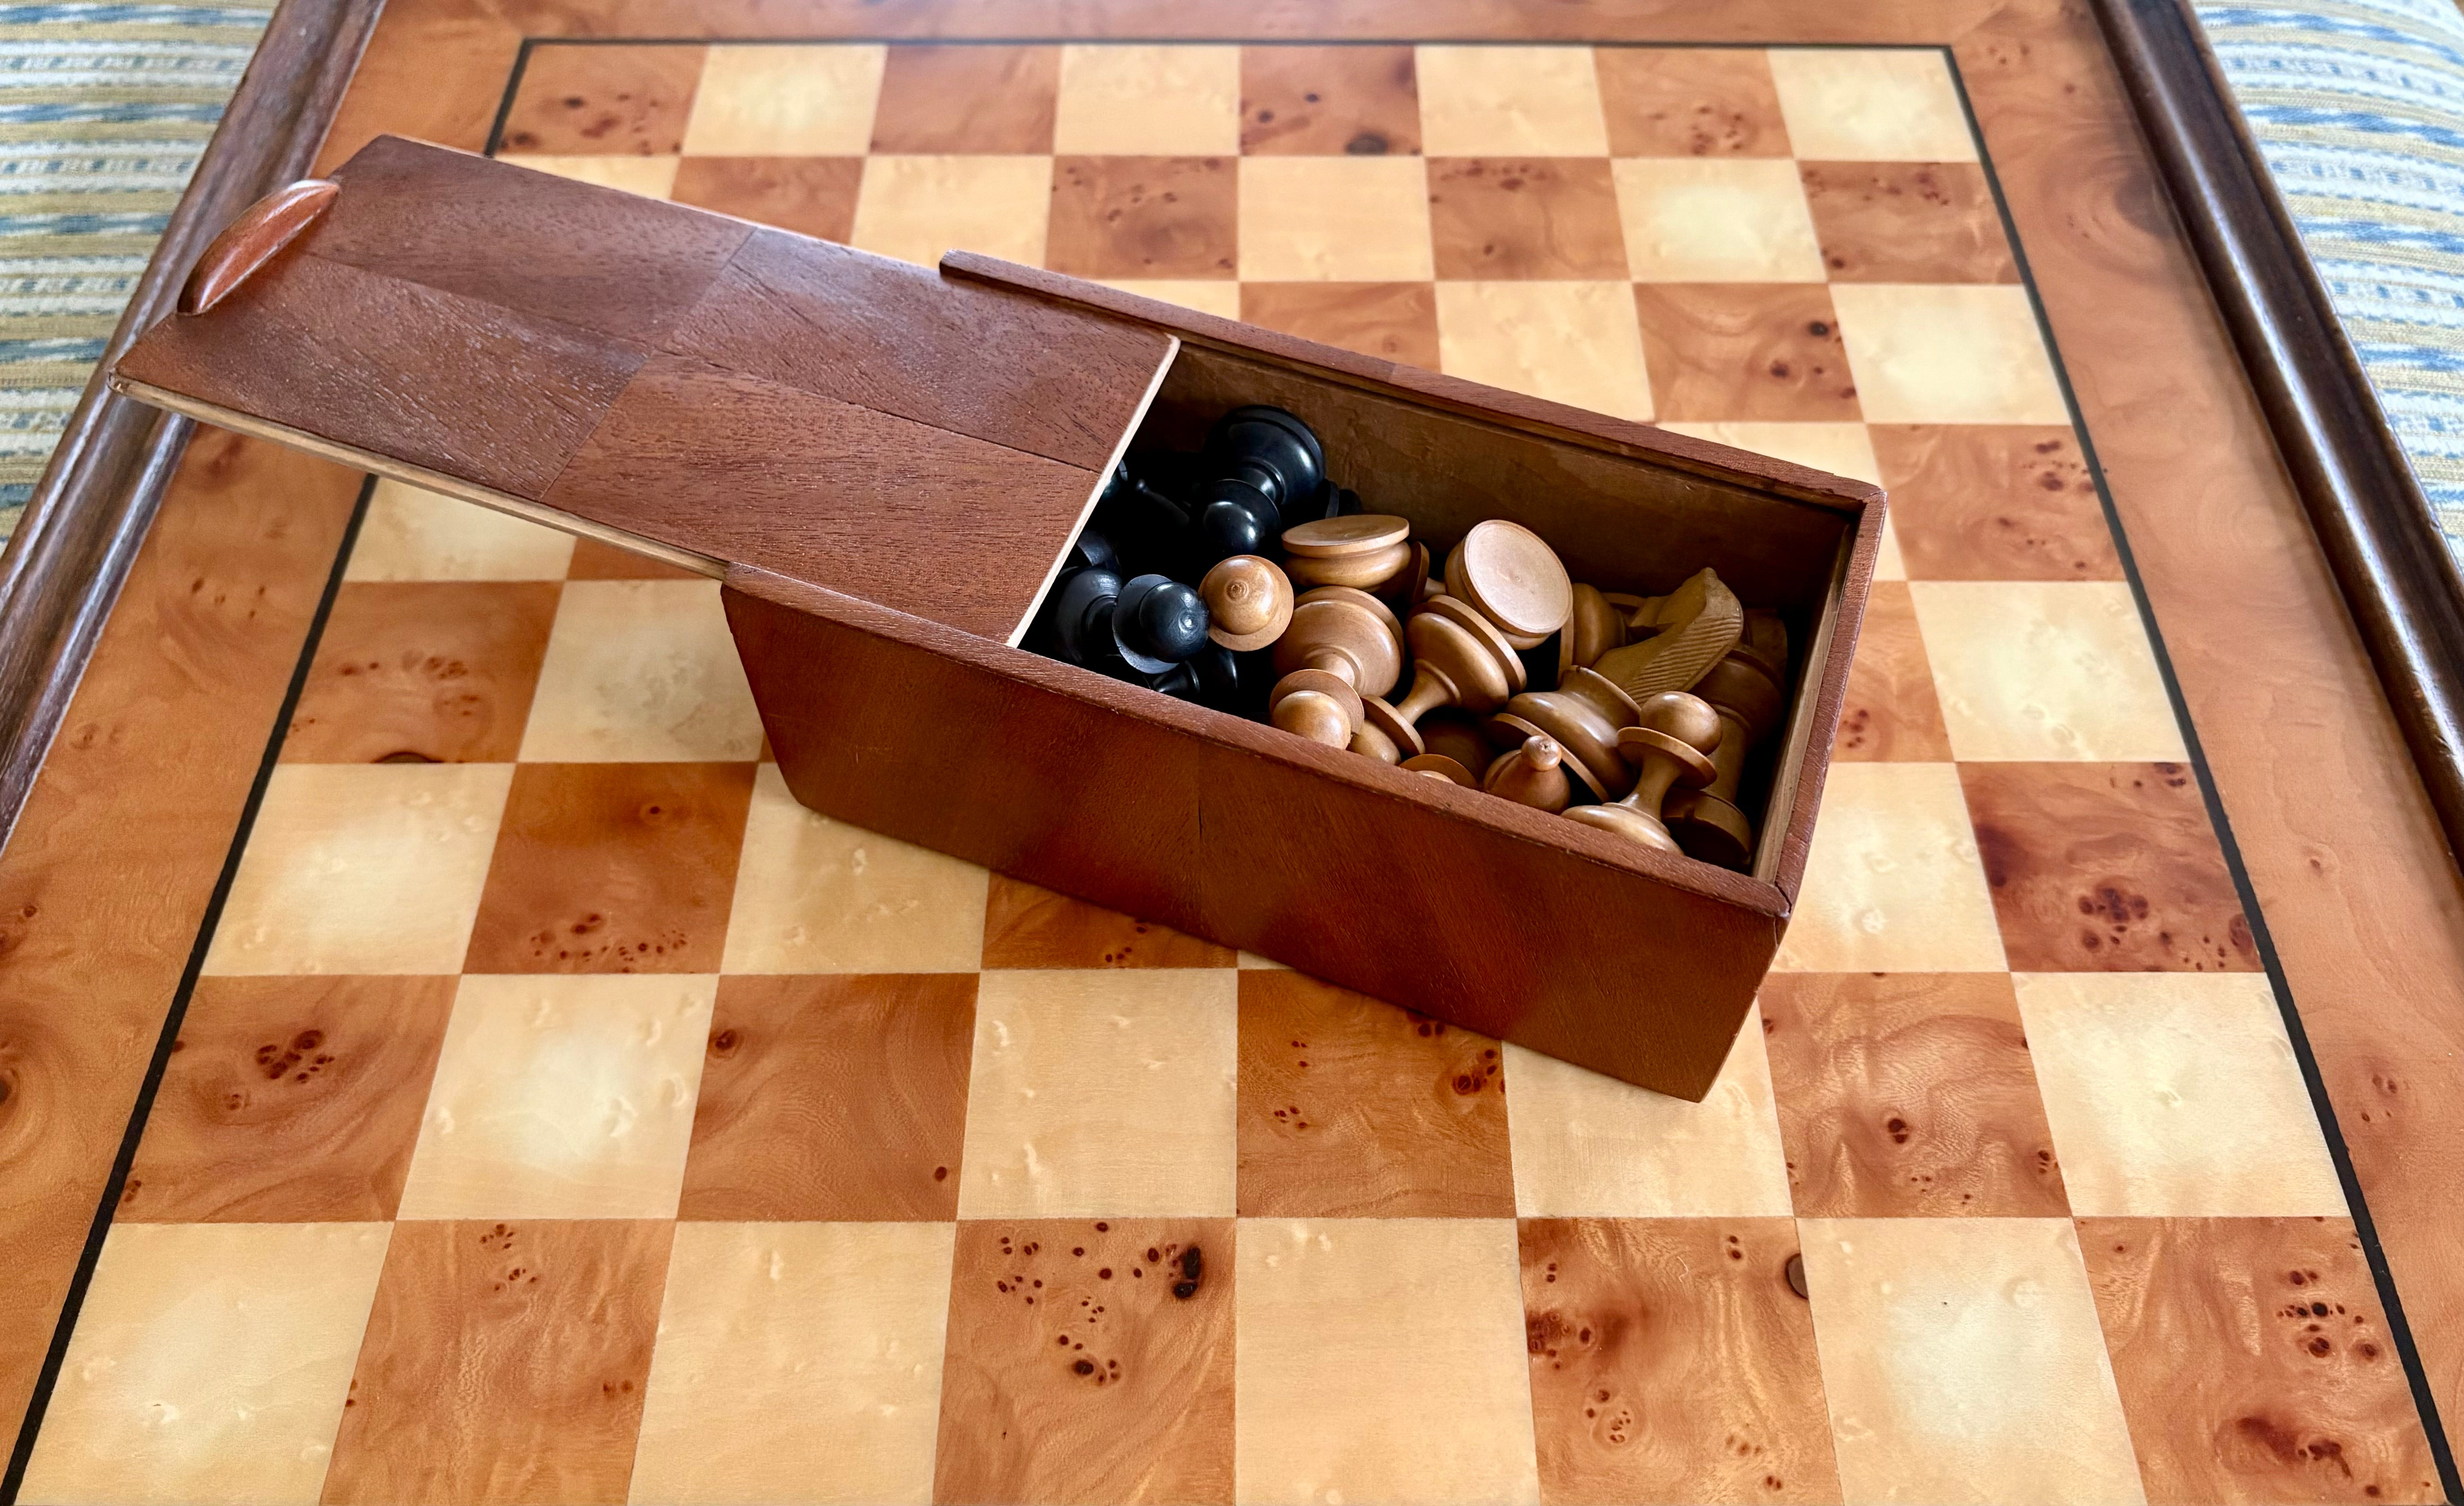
90,511
2373,521
503,33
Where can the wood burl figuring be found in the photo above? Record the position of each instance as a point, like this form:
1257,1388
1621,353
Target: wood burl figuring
888,466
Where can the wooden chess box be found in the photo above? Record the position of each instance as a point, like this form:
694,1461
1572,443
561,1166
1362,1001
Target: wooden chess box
886,466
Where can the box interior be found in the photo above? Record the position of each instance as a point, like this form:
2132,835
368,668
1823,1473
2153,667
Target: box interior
1618,523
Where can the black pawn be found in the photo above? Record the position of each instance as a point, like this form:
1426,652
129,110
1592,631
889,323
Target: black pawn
1157,622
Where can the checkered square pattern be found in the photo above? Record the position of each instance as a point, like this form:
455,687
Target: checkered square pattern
566,1114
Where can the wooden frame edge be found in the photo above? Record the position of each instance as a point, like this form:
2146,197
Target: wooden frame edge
2373,523
63,568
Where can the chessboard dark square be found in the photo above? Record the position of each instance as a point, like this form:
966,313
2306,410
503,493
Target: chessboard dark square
1906,222
1742,352
593,560
1993,502
1151,217
1890,711
1673,1361
626,101
2253,1361
290,1100
1908,1095
1088,1360
1352,1108
1690,101
809,195
1392,320
423,672
966,99
612,867
503,1362
1537,219
1329,101
2106,867
1026,926
832,1098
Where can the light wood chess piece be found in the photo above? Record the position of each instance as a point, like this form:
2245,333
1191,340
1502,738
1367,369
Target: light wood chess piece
1459,658
1437,766
1342,645
1745,689
1669,746
1693,628
1595,626
1248,601
1534,774
1506,571
1582,716
1361,551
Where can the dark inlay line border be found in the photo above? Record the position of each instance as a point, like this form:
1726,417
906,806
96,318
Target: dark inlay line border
2383,1275
48,1378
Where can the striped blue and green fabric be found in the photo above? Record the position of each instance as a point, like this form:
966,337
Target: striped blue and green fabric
2358,108
104,112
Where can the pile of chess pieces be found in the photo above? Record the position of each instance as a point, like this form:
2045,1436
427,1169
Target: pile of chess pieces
1241,579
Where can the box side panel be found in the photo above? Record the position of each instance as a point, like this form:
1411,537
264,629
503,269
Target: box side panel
1813,725
877,723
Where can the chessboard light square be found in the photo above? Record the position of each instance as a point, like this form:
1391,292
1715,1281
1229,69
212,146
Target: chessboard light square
916,207
1578,344
209,1362
816,895
1963,1361
1103,1092
2040,670
414,535
640,671
1511,101
1588,1145
786,102
563,1096
362,868
1220,298
2175,1094
1148,101
816,1348
1946,354
1714,219
1382,1360
1336,219
651,177
1894,882
1844,449
1896,104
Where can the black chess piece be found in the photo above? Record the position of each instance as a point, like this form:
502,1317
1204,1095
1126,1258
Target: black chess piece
1147,527
1269,474
1081,615
1157,622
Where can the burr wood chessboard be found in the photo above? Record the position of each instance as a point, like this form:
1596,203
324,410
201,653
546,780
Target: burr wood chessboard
565,1113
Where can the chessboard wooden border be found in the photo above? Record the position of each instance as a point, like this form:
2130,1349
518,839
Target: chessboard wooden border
62,575
63,568
2374,523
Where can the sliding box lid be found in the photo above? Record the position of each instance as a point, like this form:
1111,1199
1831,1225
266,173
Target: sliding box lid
662,375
